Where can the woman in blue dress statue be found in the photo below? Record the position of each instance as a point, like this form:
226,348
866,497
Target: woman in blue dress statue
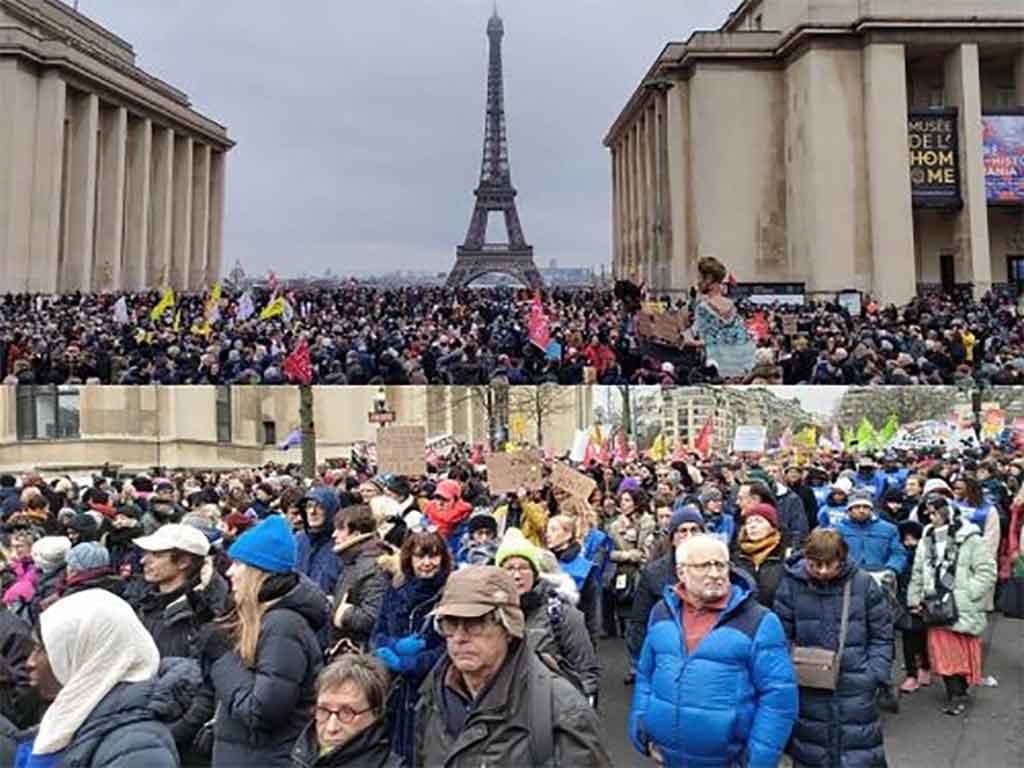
719,325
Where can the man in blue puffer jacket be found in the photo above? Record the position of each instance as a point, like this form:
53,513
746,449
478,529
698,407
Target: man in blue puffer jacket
874,543
710,635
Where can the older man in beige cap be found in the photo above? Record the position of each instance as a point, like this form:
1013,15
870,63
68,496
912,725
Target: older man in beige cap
491,700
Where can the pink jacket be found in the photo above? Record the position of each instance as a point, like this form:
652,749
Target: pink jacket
24,588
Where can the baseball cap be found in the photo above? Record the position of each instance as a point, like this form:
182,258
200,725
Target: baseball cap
477,590
176,536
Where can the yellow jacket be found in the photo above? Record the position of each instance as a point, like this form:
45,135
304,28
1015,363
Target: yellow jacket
534,521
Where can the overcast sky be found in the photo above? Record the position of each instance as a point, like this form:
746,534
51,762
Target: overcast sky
360,124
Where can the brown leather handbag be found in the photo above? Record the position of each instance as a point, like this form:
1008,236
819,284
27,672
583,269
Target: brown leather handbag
818,667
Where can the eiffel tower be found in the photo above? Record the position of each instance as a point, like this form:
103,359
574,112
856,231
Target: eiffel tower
495,192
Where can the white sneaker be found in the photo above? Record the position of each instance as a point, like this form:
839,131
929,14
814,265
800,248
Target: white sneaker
990,682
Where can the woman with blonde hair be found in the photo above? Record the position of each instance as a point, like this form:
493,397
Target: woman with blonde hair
263,660
718,323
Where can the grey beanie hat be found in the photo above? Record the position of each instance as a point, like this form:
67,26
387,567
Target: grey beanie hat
87,556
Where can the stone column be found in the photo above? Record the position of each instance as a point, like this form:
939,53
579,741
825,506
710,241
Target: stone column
200,216
643,228
110,205
161,209
638,197
677,210
963,90
615,208
79,246
47,189
1018,77
181,235
18,94
136,244
894,272
215,255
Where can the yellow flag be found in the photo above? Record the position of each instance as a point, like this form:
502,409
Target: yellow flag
273,309
212,310
203,330
177,321
164,304
659,448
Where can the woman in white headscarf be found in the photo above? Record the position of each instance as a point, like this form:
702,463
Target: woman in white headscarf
113,699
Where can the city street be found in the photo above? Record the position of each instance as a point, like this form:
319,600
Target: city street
921,735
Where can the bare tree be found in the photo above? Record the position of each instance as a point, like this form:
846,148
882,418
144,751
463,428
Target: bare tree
541,404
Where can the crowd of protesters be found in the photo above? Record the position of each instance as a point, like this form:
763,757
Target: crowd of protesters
254,617
361,335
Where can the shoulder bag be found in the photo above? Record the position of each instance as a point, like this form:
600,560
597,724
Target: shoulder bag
818,667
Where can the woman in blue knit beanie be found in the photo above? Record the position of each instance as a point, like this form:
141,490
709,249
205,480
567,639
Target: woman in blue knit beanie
262,663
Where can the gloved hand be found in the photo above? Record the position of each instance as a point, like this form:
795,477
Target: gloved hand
400,665
410,645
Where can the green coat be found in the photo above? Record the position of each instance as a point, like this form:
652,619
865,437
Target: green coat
975,576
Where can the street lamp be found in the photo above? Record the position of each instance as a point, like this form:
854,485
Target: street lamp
380,401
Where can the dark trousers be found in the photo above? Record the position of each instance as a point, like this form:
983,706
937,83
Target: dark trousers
915,651
956,686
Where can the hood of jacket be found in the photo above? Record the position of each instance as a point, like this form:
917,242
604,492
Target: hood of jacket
560,584
164,698
305,599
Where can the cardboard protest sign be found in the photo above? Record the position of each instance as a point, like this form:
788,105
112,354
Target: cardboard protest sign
572,482
402,450
666,326
789,326
749,439
508,472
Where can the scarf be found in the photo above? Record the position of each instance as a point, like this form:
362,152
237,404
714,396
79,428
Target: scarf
758,551
94,642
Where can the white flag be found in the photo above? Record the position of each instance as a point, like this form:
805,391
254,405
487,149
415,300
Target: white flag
121,311
245,307
288,312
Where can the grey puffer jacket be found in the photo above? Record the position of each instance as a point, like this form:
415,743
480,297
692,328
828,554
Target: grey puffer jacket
496,729
555,626
261,711
362,586
129,728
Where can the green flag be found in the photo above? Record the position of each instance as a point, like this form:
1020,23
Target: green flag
866,436
849,439
888,433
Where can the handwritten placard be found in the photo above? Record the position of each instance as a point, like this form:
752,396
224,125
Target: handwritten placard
667,326
572,482
402,450
511,471
789,326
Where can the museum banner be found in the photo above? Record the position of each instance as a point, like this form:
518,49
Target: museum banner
1003,137
933,139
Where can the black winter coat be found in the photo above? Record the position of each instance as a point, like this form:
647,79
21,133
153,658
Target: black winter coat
556,627
362,585
654,577
767,577
261,711
129,728
19,702
841,728
369,749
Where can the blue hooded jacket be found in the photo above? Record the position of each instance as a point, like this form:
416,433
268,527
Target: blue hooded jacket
748,696
315,557
874,544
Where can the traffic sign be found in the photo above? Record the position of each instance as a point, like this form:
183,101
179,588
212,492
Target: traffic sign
382,417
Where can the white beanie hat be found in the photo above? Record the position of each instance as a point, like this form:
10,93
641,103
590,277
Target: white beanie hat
48,553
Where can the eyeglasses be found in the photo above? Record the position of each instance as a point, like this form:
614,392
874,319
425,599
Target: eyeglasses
517,567
705,568
344,714
447,626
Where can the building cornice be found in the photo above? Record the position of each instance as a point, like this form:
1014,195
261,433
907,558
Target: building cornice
85,64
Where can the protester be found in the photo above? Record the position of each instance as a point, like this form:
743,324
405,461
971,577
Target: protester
952,559
913,630
548,597
114,698
359,592
404,636
315,543
19,703
490,684
760,551
350,726
562,543
709,634
874,544
263,664
822,594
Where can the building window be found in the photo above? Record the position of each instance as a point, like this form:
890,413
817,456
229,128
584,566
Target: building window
269,433
1006,97
936,96
224,414
48,413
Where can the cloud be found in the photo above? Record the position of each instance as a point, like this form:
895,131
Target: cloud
360,124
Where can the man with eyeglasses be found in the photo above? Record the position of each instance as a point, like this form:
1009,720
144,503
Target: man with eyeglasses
710,635
491,700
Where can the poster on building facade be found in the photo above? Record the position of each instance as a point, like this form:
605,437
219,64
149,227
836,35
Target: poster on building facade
1003,139
933,140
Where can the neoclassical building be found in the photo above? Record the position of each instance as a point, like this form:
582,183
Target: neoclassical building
873,145
79,428
108,178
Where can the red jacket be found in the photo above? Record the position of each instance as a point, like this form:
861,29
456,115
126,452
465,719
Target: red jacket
447,515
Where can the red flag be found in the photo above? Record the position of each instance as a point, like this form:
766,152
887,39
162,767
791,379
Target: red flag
540,331
758,326
589,454
621,448
604,455
298,365
680,452
703,442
